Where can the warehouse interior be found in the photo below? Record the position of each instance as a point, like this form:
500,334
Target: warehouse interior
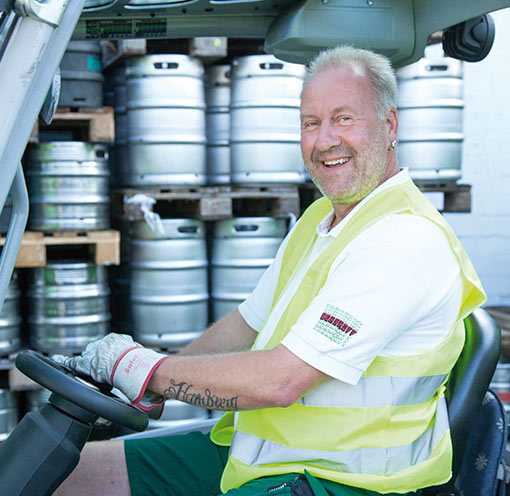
161,248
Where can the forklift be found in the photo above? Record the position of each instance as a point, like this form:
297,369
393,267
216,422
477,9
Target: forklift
45,446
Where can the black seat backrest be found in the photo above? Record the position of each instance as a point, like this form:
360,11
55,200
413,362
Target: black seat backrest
468,384
470,379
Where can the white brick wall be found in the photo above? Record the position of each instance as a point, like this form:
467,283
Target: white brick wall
485,232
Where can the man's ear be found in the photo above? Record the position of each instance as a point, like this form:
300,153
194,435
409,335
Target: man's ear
392,123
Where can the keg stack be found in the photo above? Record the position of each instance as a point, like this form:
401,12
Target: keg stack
58,298
430,106
68,179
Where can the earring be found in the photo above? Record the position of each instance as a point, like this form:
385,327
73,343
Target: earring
392,146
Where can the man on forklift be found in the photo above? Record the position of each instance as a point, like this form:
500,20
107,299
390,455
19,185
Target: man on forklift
333,371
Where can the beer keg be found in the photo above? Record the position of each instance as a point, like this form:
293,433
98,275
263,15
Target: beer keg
242,249
166,121
8,413
178,414
81,76
500,384
265,121
430,106
217,97
10,318
120,149
68,306
68,182
169,296
37,398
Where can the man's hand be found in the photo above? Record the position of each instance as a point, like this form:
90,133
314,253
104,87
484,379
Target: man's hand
118,360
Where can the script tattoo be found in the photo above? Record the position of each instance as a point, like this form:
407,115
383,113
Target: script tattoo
183,391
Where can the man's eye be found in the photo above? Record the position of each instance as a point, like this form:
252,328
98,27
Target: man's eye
309,124
345,118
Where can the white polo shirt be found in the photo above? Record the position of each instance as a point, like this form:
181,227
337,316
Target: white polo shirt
394,290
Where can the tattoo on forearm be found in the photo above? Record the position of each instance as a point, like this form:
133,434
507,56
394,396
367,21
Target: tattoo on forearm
183,391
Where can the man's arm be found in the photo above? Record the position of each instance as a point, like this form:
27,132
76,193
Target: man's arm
229,334
236,381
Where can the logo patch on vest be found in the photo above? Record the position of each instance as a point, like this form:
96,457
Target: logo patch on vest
337,325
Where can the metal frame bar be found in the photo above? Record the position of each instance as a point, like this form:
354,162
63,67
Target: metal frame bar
19,195
32,51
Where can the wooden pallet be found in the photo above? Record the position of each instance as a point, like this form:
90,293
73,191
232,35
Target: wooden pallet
211,203
457,197
90,124
102,247
115,51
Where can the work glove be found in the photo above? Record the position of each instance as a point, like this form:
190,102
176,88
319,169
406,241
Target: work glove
121,362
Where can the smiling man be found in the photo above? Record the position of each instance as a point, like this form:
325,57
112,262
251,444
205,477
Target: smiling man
333,370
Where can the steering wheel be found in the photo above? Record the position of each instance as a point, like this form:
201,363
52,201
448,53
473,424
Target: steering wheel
79,390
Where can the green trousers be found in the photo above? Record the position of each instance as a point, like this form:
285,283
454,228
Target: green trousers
192,465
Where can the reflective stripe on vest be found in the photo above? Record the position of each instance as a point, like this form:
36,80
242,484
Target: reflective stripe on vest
376,391
254,451
389,433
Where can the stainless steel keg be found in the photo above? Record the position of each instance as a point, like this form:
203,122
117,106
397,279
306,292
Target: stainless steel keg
68,183
81,76
37,398
500,384
242,249
10,318
8,413
217,97
179,414
430,106
68,306
169,296
122,316
120,159
265,122
166,120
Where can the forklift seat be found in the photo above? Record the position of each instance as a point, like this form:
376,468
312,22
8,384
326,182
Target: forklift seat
467,385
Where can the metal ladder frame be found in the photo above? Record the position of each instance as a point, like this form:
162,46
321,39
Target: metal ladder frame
33,39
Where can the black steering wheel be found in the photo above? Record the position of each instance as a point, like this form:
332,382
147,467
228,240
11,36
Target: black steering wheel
79,390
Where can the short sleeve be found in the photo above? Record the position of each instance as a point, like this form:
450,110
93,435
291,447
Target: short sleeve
377,292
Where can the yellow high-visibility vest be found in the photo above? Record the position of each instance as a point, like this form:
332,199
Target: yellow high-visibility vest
396,442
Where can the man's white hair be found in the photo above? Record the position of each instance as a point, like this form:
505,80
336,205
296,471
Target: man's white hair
376,66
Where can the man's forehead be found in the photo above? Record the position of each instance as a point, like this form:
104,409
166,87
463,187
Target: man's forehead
341,76
342,88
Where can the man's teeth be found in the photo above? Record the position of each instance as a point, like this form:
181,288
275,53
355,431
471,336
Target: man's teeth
339,161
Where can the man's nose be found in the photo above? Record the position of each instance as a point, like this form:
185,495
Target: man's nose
327,138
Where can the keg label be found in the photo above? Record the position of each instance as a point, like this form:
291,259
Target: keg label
94,63
78,276
337,325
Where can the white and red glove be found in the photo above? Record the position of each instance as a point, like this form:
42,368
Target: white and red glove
118,360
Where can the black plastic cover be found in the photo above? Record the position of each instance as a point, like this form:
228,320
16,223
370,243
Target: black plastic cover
470,40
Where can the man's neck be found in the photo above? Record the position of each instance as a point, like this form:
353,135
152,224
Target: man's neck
342,209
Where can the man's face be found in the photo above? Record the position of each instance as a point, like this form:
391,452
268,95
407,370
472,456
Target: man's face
343,141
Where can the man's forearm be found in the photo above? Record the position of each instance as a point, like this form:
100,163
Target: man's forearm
236,381
230,334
